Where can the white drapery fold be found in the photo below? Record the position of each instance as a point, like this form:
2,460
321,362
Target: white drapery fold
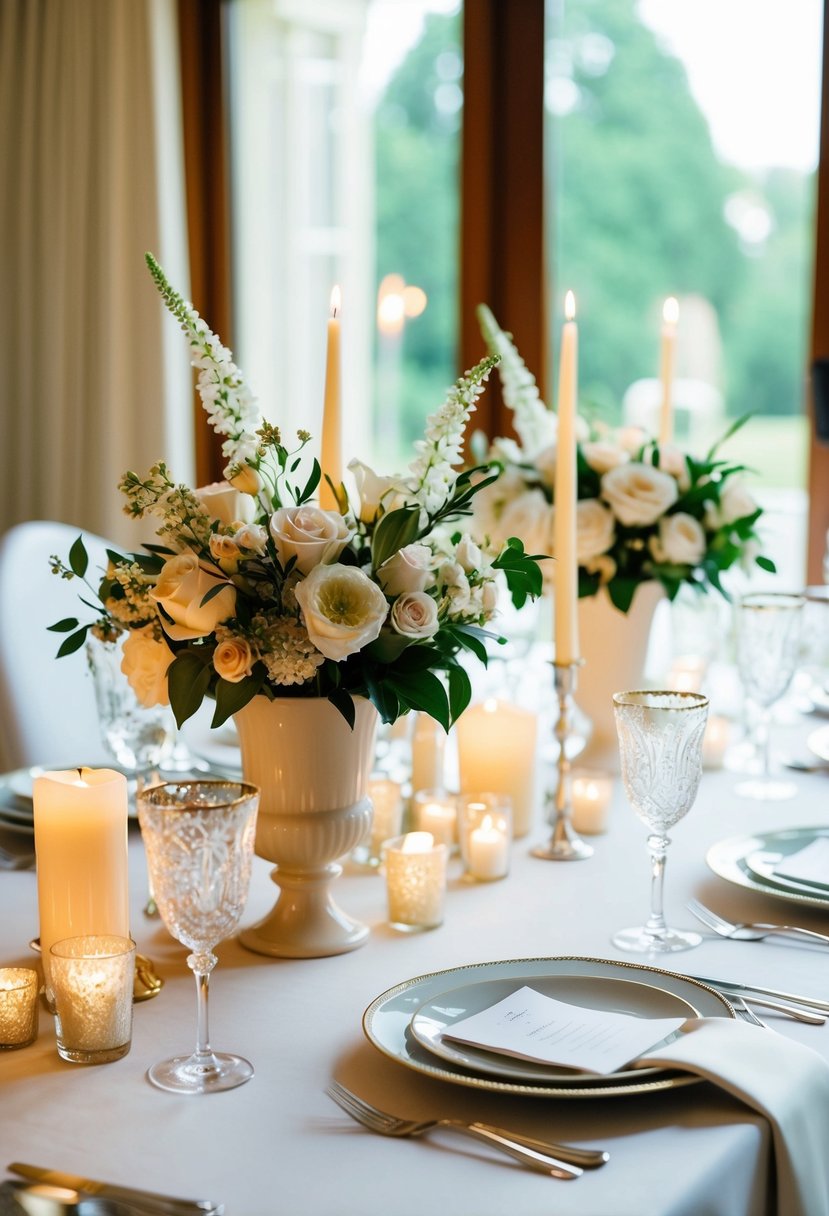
92,177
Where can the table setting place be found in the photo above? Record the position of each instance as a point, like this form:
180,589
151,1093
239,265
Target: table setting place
289,680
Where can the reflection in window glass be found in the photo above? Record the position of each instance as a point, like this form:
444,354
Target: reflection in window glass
682,143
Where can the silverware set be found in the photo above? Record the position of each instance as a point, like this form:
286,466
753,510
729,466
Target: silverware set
94,1198
753,931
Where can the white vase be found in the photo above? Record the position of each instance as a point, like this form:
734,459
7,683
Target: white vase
614,646
313,772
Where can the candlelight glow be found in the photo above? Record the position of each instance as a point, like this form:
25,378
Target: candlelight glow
414,300
336,301
670,311
391,313
570,306
418,842
490,705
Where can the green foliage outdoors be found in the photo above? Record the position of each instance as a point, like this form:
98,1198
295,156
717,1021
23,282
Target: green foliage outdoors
641,199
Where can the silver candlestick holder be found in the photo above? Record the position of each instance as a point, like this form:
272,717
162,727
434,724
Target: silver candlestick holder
565,844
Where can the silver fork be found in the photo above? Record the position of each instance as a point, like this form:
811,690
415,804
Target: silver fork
747,1014
750,931
568,1162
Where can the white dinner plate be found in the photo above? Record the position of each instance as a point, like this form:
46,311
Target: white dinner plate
387,1022
607,993
818,742
730,859
762,865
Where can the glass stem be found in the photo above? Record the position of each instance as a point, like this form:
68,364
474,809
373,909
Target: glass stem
657,847
763,737
201,965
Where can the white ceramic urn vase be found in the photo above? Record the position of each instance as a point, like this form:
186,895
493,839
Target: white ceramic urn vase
312,770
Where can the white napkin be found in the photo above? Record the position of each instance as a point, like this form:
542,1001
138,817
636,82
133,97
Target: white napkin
783,1080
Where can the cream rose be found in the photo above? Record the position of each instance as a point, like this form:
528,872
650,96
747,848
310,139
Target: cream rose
631,438
375,491
603,456
638,493
233,659
595,529
310,535
672,460
182,585
415,615
252,537
145,659
226,504
409,569
735,503
530,518
342,608
681,540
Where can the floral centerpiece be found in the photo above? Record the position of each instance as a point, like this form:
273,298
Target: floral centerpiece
253,589
645,511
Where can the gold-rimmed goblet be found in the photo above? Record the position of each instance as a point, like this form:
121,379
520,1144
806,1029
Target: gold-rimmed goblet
199,840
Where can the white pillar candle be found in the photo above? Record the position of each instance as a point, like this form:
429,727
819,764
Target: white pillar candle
485,830
80,818
566,570
715,741
497,752
331,459
670,317
592,793
436,812
415,881
92,977
428,747
387,803
18,1006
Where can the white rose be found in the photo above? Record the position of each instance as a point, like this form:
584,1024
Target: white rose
233,659
226,504
595,529
631,438
638,493
545,462
672,460
489,597
252,537
310,535
246,481
409,569
375,491
182,585
415,615
452,579
342,608
530,518
602,456
735,503
681,540
468,554
145,659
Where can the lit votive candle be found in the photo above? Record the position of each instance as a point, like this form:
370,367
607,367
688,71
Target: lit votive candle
485,831
687,673
92,979
592,793
18,1007
715,741
415,881
387,814
436,812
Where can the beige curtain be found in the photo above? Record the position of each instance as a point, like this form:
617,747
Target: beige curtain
93,379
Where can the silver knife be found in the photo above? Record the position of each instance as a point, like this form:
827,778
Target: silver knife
164,1205
727,986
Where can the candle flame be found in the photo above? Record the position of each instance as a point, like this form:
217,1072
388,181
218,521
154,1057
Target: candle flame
336,301
490,705
670,311
418,842
486,823
570,306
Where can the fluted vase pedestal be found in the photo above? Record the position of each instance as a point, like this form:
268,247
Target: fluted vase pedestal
313,772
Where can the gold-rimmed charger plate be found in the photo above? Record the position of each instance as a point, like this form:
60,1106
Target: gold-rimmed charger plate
386,1023
730,860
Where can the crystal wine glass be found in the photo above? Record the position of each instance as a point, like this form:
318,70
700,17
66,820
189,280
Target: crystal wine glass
660,741
199,839
768,633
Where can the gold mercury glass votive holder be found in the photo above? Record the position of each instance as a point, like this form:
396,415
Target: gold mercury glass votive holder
19,988
386,820
415,866
93,979
485,835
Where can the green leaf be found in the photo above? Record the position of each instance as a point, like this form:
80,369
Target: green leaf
311,484
344,702
78,558
188,679
68,622
73,642
765,563
388,647
213,592
732,430
383,698
621,592
231,697
468,640
425,692
460,690
394,531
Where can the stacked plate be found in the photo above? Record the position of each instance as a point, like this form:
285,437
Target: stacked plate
751,861
16,808
408,1023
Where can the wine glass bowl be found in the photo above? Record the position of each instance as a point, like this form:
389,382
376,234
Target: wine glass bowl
660,743
199,839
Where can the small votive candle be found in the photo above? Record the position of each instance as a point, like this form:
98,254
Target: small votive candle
436,811
386,819
415,881
687,673
92,979
18,1007
592,793
485,832
715,741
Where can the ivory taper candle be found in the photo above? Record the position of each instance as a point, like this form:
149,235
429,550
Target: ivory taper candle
670,316
566,573
331,459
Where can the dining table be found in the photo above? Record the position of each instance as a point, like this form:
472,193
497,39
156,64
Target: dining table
279,1144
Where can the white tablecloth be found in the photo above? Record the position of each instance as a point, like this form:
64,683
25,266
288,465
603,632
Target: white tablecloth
278,1144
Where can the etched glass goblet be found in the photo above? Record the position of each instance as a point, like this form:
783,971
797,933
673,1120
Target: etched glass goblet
768,634
660,742
199,840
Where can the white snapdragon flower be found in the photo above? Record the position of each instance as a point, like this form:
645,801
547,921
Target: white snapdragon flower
342,608
638,493
535,425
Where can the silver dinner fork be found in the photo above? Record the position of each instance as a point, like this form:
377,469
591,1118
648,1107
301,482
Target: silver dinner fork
748,1015
568,1162
750,931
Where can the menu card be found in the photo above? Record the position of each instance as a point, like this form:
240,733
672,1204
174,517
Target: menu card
532,1026
810,865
